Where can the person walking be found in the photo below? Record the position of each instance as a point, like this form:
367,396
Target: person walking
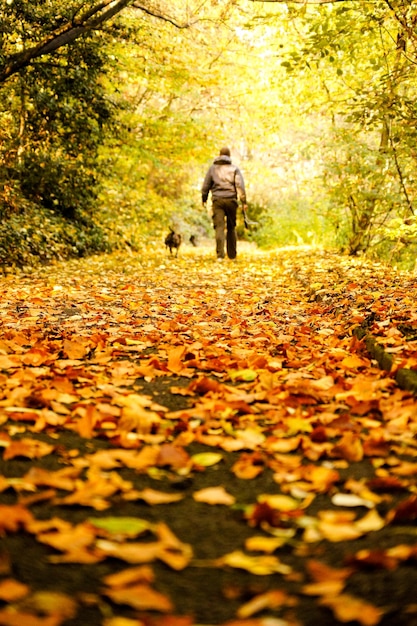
225,182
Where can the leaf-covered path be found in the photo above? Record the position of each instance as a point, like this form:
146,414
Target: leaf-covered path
186,442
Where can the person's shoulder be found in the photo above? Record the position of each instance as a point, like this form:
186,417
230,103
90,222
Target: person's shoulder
222,160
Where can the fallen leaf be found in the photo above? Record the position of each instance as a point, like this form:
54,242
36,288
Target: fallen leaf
12,590
132,575
122,527
350,500
347,608
140,597
214,495
153,497
259,565
265,544
324,588
273,599
29,448
13,518
206,459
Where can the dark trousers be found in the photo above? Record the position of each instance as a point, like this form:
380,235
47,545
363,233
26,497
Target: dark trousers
224,222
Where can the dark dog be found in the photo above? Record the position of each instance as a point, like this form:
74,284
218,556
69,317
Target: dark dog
173,241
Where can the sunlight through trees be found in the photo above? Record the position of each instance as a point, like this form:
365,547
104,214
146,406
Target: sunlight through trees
111,112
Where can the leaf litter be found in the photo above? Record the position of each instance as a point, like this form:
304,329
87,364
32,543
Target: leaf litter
207,446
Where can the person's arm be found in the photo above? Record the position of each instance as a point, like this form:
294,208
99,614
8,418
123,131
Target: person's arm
205,190
240,188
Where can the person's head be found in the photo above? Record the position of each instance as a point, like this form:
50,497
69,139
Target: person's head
225,151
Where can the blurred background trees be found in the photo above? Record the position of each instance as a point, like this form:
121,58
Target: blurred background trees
111,112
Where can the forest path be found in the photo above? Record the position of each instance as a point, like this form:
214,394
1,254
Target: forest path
188,442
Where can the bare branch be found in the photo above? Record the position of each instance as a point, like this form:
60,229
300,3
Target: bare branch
165,18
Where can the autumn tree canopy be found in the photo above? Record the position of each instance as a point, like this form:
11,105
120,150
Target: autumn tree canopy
113,109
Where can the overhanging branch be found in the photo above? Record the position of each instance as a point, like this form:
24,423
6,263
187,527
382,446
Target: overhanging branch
165,18
64,35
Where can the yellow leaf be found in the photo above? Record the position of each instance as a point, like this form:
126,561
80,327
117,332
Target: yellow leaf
259,565
370,522
354,362
297,425
206,459
339,532
246,375
279,502
264,544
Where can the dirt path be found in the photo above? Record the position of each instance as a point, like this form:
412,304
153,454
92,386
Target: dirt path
186,442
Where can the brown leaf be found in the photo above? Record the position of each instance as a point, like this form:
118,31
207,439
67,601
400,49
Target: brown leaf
372,559
404,512
320,572
349,448
172,456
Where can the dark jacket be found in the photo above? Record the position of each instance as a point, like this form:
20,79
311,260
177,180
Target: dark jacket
224,180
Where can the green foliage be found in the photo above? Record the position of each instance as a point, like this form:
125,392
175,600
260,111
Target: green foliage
54,116
62,110
294,222
397,243
112,134
36,233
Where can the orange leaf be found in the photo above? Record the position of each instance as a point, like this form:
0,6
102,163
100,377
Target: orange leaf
175,356
354,362
153,497
132,575
30,448
12,590
214,495
321,572
20,618
349,448
269,600
348,608
74,349
14,517
140,597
